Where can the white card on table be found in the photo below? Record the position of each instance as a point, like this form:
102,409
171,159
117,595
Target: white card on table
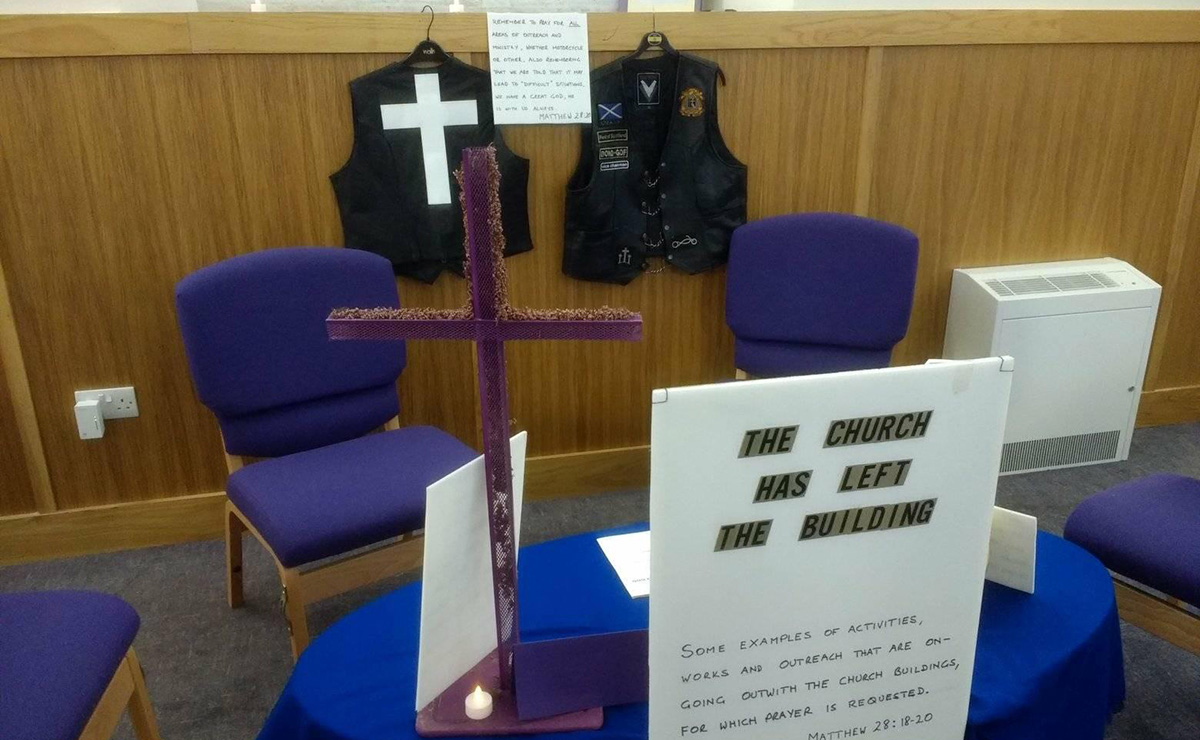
1012,550
458,614
629,555
540,68
818,556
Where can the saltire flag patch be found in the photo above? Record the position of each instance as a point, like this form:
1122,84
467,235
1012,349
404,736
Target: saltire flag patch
609,112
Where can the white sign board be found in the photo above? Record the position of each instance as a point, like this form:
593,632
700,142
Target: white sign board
818,552
458,612
1012,550
540,70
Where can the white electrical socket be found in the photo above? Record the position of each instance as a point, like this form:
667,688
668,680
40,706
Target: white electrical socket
115,403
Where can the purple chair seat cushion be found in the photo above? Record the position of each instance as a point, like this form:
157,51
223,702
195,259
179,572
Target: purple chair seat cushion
1147,530
765,359
331,500
58,652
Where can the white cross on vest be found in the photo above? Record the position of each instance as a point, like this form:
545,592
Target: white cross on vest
431,115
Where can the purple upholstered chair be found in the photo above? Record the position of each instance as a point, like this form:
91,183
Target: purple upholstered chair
67,667
1148,530
818,293
254,330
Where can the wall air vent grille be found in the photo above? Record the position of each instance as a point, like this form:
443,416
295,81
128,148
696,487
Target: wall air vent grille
1054,451
1038,284
1082,281
1030,285
998,288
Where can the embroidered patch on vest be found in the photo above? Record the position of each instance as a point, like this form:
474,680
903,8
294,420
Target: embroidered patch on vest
609,112
614,152
691,102
647,88
607,136
621,164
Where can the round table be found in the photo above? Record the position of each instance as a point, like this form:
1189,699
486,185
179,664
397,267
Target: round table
1048,666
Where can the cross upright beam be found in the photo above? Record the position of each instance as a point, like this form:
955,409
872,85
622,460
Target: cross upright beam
489,321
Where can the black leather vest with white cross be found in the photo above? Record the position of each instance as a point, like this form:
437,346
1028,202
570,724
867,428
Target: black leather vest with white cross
654,178
397,193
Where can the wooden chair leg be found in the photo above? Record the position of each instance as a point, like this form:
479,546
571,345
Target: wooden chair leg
234,527
145,727
293,610
112,704
1163,618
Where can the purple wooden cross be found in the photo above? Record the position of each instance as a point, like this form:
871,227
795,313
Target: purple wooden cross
490,321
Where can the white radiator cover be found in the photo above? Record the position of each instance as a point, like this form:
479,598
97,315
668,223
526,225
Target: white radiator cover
1080,333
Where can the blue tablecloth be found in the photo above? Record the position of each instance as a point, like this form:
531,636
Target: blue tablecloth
1048,666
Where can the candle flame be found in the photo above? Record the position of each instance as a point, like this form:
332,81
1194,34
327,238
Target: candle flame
478,691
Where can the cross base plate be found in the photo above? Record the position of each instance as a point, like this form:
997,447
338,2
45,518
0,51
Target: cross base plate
446,715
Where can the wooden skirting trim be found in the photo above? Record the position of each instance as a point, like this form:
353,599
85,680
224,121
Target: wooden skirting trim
163,521
309,33
166,521
1158,617
584,473
1169,406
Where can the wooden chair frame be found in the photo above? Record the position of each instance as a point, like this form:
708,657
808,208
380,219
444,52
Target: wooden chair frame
126,690
1167,618
304,587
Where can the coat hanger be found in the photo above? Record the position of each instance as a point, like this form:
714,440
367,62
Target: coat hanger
427,52
655,40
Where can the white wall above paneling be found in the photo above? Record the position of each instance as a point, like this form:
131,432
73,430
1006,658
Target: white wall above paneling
99,6
951,4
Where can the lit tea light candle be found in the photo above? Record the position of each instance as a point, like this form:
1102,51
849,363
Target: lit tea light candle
479,704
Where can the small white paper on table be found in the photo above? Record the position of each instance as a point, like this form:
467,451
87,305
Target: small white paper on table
629,555
458,613
1012,549
540,69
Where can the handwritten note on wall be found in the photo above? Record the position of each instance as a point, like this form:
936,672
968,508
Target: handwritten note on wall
540,71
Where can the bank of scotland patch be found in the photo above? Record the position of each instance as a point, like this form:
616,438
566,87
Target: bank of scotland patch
609,112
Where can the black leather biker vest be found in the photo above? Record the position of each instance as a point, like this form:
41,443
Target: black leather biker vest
654,178
397,193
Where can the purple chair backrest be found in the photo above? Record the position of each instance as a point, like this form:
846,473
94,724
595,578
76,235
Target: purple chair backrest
254,332
821,278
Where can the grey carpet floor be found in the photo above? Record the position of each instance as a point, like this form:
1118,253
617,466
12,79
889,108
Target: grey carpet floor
214,673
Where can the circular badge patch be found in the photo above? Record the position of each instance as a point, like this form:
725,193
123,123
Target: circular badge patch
691,102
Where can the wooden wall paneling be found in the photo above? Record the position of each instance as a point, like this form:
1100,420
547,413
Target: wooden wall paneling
1002,155
868,131
16,491
24,479
1175,360
164,165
